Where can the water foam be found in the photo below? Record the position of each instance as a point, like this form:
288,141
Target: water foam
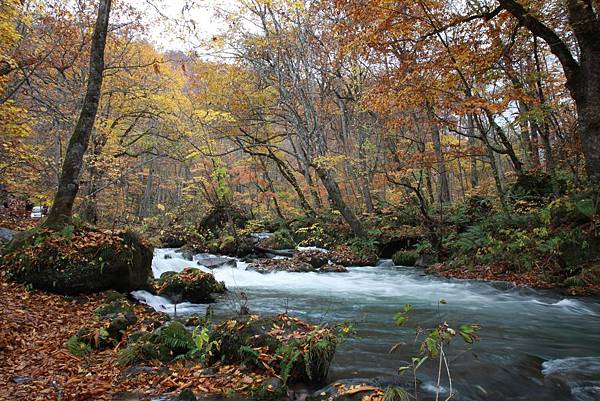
162,304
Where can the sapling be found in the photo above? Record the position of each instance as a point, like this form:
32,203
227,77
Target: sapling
432,347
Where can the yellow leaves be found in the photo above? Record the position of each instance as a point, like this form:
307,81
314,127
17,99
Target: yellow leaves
210,115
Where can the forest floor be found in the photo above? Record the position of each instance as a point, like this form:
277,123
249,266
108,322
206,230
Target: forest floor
36,365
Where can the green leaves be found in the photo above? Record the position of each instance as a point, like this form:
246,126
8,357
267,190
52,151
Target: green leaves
67,232
468,332
402,317
588,207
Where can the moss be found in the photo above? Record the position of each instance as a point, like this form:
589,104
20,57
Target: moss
79,260
114,307
192,285
405,258
281,239
301,352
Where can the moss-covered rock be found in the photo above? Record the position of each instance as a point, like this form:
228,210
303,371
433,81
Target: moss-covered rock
79,260
294,350
405,258
191,285
281,239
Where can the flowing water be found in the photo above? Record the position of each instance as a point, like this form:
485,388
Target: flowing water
535,345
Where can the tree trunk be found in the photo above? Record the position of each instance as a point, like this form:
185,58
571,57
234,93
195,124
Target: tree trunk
474,173
335,195
62,209
443,185
582,74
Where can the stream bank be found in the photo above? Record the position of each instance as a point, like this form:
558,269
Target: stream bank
538,344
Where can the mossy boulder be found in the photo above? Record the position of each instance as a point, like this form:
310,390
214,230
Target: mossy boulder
191,285
294,350
281,239
79,260
405,258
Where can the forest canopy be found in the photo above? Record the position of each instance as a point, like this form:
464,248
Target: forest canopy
294,110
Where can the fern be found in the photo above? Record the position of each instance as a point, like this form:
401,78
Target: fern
290,354
129,355
78,347
318,357
176,337
473,238
248,354
396,394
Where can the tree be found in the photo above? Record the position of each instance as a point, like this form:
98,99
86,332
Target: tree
582,74
62,208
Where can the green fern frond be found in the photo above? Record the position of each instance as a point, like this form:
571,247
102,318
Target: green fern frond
396,394
78,347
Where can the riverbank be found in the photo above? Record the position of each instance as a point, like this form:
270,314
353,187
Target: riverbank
35,364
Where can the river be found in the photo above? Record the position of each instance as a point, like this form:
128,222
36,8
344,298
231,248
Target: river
535,345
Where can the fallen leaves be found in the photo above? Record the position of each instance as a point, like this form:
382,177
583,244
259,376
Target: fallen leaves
34,327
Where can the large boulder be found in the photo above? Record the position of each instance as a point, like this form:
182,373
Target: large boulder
191,285
79,260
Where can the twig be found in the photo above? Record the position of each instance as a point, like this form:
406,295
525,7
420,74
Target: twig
449,377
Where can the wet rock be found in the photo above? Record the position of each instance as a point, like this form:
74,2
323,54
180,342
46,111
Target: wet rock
333,268
315,258
186,254
214,263
133,371
6,235
277,265
129,396
208,372
191,285
22,380
357,388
